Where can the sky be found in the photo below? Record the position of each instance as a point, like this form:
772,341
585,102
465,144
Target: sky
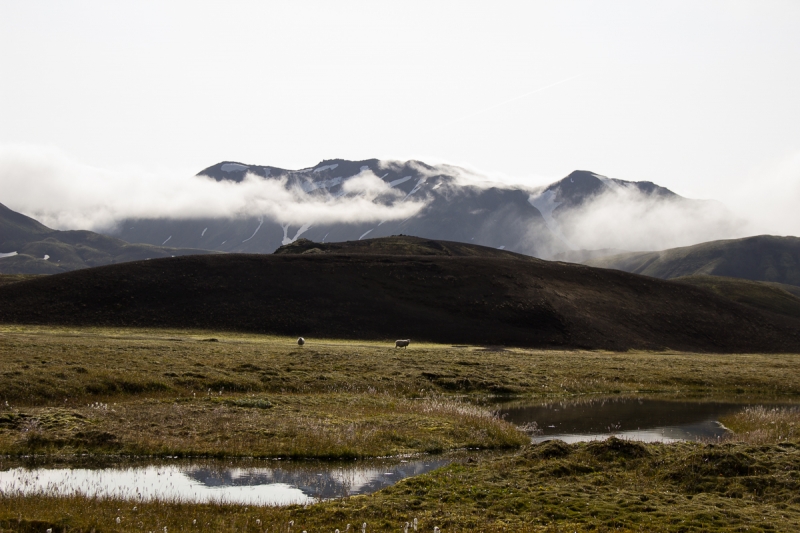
697,96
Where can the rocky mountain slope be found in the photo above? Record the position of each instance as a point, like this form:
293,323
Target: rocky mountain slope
480,299
530,221
29,247
760,258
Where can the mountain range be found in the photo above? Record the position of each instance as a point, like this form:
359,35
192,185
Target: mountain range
456,206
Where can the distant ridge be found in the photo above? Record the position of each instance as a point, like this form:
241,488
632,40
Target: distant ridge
30,247
759,258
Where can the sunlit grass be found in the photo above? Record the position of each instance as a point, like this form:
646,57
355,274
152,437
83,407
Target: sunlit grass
764,425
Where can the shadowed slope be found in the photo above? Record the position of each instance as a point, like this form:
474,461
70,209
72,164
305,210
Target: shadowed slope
446,299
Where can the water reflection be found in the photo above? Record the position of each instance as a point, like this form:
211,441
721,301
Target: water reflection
282,484
637,419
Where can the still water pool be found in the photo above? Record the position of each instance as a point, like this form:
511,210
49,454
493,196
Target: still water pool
646,420
267,483
285,483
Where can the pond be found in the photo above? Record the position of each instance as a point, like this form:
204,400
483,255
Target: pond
245,482
647,420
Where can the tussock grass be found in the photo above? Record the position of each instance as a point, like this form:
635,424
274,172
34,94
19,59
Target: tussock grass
764,425
324,426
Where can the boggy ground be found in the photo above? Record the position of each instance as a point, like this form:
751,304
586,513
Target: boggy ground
118,392
171,393
600,486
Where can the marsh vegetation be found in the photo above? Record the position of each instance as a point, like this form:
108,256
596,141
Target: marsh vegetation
120,393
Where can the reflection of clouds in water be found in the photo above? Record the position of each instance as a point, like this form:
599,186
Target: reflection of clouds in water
142,484
319,481
209,482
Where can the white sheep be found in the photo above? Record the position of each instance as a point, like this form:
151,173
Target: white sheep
402,343
301,341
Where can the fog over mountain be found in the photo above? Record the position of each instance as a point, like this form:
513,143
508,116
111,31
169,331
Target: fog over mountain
238,207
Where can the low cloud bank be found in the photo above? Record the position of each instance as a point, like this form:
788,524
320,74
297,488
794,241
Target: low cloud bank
626,219
64,194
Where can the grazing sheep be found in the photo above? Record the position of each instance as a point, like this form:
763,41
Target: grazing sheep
301,341
402,343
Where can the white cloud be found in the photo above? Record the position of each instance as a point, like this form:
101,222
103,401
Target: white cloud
62,193
626,219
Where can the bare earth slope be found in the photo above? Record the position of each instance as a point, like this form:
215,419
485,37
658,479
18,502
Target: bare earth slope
477,300
760,258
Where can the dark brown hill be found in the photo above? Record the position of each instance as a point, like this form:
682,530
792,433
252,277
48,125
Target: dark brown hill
397,245
476,300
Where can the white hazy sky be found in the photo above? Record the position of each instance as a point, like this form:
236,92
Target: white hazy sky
698,96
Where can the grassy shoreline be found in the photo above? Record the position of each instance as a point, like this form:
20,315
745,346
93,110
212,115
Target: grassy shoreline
600,486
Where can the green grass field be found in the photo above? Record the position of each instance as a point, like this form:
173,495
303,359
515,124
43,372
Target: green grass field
115,393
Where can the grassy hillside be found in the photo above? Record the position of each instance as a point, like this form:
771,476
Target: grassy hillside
774,297
761,258
488,300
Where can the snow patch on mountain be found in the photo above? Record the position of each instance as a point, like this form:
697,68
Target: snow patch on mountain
7,254
260,222
365,234
326,167
287,240
546,204
304,228
165,242
419,184
234,167
203,232
395,183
